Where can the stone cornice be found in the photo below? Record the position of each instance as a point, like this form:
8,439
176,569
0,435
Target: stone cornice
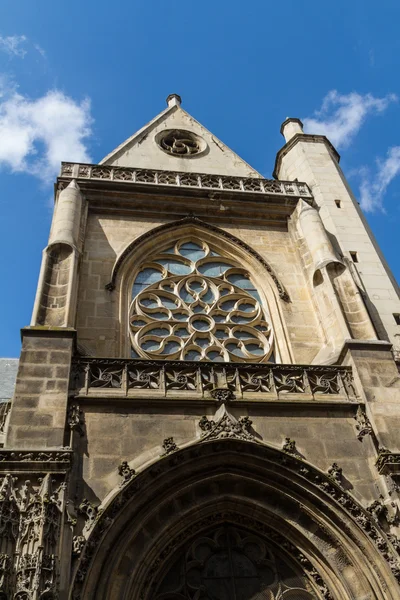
302,137
217,184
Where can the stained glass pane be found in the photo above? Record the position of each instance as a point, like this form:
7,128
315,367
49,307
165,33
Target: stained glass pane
175,266
147,276
192,251
240,280
151,345
186,296
254,349
213,269
171,347
234,349
181,332
193,355
246,307
208,297
158,331
149,302
201,325
243,335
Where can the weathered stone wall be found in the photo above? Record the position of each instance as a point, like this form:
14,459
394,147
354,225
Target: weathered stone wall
39,408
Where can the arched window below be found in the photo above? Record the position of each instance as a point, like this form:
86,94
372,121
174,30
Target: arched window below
191,303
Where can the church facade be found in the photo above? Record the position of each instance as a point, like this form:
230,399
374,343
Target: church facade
207,403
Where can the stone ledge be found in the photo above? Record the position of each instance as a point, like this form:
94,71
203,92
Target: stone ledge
368,345
48,331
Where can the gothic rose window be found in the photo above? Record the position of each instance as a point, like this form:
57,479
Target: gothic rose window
230,563
191,303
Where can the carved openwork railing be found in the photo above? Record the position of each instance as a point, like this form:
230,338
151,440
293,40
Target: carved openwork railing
168,379
269,187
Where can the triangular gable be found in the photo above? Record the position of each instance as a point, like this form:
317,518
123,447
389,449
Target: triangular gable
142,149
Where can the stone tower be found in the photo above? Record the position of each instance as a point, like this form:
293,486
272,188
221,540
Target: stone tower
208,402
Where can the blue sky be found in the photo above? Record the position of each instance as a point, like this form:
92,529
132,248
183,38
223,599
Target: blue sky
78,78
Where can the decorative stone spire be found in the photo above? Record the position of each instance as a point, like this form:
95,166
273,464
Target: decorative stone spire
174,100
290,127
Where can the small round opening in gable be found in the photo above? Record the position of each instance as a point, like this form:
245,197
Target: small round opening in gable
180,142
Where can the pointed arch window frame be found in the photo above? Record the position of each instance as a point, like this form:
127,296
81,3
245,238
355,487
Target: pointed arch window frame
266,281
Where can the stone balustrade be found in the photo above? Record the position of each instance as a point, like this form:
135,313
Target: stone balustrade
267,187
225,381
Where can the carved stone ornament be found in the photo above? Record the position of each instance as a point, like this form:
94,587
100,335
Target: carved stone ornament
378,510
224,425
75,419
222,394
336,473
126,472
363,424
78,543
30,522
289,446
169,446
89,512
44,456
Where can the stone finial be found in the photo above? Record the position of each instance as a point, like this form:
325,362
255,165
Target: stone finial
174,100
290,127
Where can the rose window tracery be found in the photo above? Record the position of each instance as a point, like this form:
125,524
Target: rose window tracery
191,303
180,142
229,563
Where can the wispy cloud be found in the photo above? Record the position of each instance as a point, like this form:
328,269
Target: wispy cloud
36,134
342,115
14,45
373,186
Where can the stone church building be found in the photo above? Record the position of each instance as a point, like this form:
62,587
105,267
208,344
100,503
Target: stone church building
207,404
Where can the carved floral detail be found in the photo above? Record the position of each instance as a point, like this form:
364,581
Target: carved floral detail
336,473
78,543
224,425
222,394
289,446
363,424
169,446
125,471
75,419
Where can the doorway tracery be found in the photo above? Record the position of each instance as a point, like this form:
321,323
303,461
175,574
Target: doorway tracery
230,563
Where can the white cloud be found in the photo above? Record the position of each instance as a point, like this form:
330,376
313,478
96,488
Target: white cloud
36,135
13,45
39,49
342,115
373,188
